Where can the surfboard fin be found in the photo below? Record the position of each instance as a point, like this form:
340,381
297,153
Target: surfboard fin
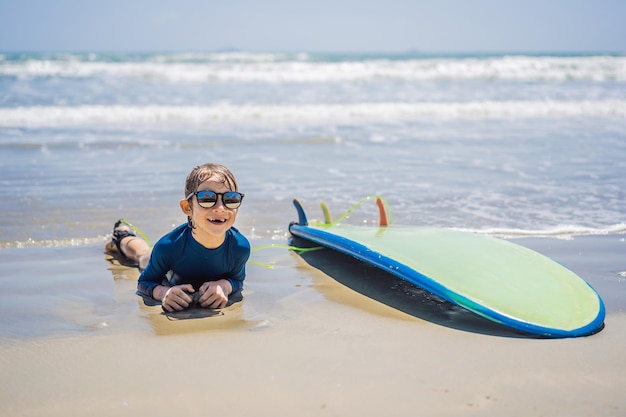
302,220
383,220
327,217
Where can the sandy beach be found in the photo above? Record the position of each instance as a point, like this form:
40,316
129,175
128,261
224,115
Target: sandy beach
75,341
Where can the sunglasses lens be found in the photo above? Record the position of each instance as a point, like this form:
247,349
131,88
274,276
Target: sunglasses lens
232,199
206,199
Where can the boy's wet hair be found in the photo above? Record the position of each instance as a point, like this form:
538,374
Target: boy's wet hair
210,171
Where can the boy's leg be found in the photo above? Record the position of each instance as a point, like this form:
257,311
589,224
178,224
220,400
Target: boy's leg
124,242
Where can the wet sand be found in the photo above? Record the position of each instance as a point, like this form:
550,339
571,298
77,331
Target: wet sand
305,341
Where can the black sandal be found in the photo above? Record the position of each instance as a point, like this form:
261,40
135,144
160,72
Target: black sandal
118,235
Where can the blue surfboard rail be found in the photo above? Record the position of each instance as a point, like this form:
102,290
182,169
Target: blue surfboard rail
363,253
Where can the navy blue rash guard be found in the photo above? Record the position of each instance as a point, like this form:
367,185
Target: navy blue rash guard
177,258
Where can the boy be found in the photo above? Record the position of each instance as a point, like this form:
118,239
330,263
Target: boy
201,260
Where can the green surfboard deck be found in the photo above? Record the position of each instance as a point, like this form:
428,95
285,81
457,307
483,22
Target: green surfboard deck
509,278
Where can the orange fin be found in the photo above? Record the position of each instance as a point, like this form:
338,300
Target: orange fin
383,221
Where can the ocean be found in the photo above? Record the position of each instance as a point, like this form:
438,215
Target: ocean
502,144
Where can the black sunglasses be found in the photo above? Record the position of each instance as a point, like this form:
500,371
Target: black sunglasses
208,198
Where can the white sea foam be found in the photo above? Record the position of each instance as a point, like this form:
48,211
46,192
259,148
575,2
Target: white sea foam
560,232
245,67
57,116
52,243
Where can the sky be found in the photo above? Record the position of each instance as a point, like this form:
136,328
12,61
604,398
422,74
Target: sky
313,25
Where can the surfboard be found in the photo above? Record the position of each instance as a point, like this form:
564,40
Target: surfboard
494,278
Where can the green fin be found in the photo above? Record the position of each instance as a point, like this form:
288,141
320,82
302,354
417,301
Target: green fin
327,217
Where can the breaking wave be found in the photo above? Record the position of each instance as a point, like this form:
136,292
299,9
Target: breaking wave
57,116
280,68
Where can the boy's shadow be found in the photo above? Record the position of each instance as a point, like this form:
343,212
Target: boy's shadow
401,295
194,311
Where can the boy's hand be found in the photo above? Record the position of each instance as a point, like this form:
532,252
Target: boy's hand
177,298
214,294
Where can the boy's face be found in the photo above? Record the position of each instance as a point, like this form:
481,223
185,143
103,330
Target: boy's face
211,223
